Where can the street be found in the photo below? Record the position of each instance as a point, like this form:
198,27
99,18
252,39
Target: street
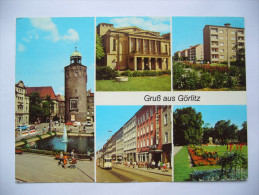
45,169
119,173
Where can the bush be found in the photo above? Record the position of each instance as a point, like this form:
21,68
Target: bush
233,71
127,73
166,72
205,80
242,77
191,80
220,80
137,74
105,73
178,76
231,82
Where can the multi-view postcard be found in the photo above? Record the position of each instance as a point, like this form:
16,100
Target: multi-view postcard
65,65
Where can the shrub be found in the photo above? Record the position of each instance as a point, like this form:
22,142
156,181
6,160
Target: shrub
166,72
205,80
220,80
127,73
137,74
105,73
242,77
150,73
178,76
233,71
231,82
191,80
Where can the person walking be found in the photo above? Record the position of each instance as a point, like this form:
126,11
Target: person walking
72,154
60,158
64,161
158,165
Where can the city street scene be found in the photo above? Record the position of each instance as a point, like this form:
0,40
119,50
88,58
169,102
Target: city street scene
133,144
133,54
210,143
54,100
209,53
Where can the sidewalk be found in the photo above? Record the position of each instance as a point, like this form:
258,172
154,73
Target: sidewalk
156,171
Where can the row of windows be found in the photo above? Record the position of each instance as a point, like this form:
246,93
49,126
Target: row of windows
130,146
145,130
129,126
129,136
146,116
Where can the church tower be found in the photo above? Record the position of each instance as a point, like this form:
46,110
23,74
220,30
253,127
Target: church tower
75,89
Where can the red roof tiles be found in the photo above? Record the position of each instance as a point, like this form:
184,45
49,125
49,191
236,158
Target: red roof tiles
43,91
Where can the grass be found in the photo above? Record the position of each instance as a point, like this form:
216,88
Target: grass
182,168
159,83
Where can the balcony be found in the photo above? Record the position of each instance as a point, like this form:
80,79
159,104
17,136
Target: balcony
214,32
214,52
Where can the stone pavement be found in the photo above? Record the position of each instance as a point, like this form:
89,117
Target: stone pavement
177,149
44,169
156,170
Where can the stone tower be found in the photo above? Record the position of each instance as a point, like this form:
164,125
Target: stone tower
75,89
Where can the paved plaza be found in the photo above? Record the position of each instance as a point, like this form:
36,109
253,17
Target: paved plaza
44,169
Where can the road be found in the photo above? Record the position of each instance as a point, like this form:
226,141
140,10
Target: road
44,169
125,174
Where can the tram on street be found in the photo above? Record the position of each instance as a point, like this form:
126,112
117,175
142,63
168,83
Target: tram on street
104,162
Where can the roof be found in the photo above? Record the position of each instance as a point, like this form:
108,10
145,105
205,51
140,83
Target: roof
222,26
59,98
43,91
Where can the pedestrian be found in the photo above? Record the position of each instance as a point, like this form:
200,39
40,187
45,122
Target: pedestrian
161,165
158,165
64,161
168,165
164,167
60,158
72,154
153,164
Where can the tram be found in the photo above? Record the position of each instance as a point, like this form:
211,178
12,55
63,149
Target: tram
104,162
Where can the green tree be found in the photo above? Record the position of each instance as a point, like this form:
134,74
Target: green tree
176,57
48,107
242,134
99,49
225,131
35,111
187,126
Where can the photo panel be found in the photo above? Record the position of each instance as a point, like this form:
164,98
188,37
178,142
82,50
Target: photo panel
134,144
208,54
133,54
54,100
210,143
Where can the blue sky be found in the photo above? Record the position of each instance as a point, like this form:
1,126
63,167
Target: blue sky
188,31
157,24
237,114
43,48
111,118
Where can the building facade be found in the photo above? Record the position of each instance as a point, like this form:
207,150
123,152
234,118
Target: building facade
75,89
90,106
221,43
119,145
166,123
134,48
149,134
130,140
22,105
192,54
61,107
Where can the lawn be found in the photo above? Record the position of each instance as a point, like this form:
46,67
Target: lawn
182,168
159,83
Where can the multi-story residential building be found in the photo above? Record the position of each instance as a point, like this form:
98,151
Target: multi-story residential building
134,48
22,103
166,123
130,139
149,134
221,43
90,106
119,145
184,54
195,53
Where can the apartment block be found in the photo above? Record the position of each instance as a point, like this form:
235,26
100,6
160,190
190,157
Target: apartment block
221,43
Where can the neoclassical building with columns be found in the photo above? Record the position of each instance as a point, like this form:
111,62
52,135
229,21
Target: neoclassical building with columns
134,48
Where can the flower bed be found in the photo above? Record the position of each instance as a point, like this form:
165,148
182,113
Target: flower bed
207,68
202,157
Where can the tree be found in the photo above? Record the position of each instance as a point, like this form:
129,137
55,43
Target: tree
225,132
176,57
36,111
242,134
48,107
99,49
187,126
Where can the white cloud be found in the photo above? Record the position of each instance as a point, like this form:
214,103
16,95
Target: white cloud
26,39
21,47
47,25
71,35
152,24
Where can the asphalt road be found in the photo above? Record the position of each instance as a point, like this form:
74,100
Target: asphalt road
125,174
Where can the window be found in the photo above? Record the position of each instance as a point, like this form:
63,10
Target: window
114,45
233,51
166,137
221,57
144,142
151,141
151,127
233,38
151,112
147,115
221,50
221,44
221,31
222,38
165,119
147,128
73,104
144,130
147,142
143,117
141,132
233,44
232,32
